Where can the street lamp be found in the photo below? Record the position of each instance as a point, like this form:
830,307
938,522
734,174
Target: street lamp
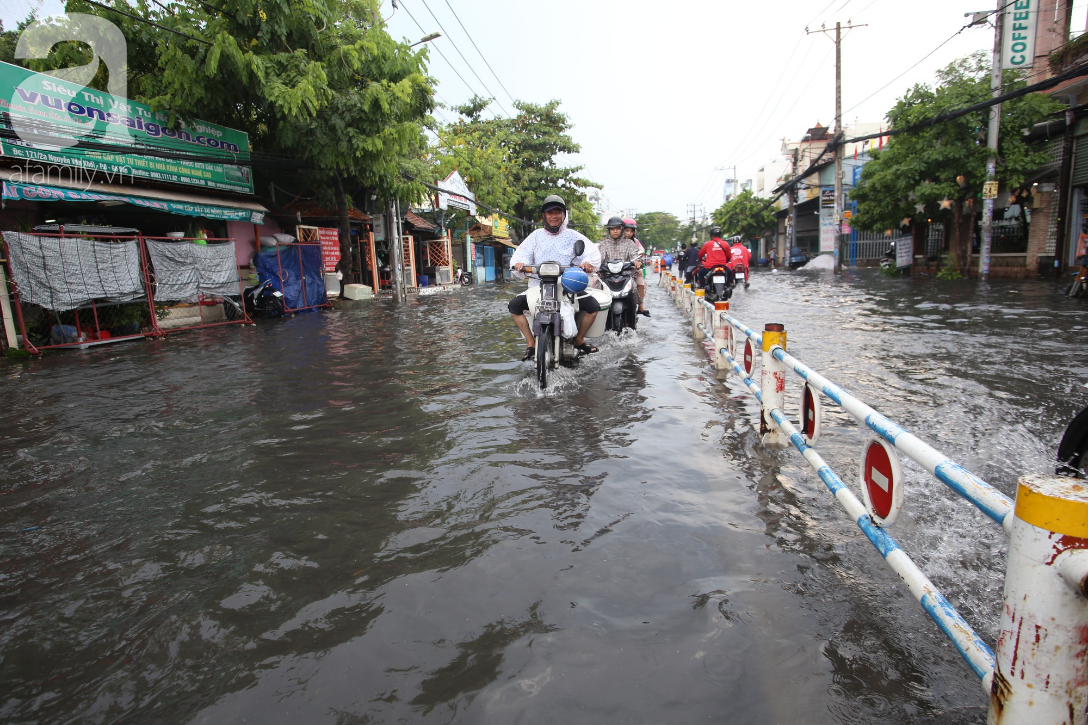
427,38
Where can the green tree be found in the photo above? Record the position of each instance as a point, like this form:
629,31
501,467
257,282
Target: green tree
320,83
513,164
658,230
746,215
937,172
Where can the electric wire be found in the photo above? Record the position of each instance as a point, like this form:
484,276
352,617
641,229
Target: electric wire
508,94
145,20
443,55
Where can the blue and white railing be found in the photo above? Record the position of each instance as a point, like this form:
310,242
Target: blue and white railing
1048,594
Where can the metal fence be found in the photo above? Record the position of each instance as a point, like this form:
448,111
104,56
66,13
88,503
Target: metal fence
82,289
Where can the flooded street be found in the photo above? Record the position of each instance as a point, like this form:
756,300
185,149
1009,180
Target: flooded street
372,515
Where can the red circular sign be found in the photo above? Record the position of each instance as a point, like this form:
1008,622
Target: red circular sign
878,471
749,357
808,413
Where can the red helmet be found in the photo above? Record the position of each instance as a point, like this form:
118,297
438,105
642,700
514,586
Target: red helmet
628,222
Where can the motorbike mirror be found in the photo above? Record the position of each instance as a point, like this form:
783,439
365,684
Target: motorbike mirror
579,248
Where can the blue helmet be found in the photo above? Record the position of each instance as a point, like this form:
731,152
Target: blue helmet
575,280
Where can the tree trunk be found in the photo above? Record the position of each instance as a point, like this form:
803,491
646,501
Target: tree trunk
345,226
963,237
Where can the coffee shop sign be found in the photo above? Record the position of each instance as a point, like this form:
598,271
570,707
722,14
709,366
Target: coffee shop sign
454,192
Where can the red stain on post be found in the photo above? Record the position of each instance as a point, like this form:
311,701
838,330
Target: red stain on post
779,382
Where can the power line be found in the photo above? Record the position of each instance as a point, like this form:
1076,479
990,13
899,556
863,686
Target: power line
145,20
511,97
413,17
448,37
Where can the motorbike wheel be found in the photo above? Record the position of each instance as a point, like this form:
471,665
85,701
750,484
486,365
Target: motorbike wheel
1073,449
544,345
617,322
276,308
466,279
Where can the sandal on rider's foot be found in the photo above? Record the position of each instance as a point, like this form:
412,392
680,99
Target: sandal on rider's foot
530,353
586,349
644,312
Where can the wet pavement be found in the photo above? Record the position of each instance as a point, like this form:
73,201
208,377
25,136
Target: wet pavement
372,515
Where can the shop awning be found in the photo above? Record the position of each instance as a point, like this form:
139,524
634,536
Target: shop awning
180,203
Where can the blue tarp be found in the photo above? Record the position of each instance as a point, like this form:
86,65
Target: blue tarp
295,260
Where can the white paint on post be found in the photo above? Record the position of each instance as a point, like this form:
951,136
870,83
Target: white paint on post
1042,654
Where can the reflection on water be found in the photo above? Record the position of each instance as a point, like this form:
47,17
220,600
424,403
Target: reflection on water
374,515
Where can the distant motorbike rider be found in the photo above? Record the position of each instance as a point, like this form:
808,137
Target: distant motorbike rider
630,228
690,263
554,243
715,253
740,259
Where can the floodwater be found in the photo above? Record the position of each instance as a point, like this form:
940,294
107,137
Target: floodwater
371,515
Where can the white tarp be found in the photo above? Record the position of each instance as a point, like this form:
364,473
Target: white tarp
62,273
182,269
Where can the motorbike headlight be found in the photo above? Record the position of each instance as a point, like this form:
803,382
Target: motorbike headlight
548,269
615,267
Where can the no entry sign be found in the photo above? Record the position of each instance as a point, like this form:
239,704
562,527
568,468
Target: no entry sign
881,481
810,413
749,357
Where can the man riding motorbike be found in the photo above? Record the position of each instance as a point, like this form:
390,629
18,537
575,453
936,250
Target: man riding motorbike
740,260
554,243
715,253
630,227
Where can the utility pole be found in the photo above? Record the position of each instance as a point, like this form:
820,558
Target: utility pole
791,233
839,135
990,191
395,252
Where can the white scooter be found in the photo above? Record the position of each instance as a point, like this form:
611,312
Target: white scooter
554,317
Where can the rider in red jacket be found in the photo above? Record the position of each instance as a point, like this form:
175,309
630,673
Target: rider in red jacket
714,253
740,258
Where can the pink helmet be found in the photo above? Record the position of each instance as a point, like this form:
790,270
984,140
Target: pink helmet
628,222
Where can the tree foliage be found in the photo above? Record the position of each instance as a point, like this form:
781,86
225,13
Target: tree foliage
658,230
746,215
937,173
318,82
513,164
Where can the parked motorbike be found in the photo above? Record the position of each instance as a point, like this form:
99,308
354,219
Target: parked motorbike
553,316
263,300
623,312
1073,450
464,277
718,284
888,260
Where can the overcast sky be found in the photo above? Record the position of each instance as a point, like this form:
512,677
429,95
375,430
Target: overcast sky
660,94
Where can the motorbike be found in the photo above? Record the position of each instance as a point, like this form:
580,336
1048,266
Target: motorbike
623,312
1073,449
553,318
259,300
464,277
888,260
718,284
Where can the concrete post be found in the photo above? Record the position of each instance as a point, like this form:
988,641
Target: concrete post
772,384
1042,652
721,335
698,315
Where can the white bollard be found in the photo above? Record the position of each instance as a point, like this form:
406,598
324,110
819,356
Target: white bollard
1042,652
772,385
721,335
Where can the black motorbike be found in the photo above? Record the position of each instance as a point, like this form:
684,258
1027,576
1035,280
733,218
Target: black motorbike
616,276
888,260
259,300
718,284
1073,449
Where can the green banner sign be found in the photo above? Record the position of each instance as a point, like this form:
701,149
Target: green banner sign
71,112
36,192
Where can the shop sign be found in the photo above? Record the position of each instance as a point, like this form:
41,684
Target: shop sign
500,227
33,192
827,197
455,192
904,252
989,190
330,247
72,113
1018,37
828,236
